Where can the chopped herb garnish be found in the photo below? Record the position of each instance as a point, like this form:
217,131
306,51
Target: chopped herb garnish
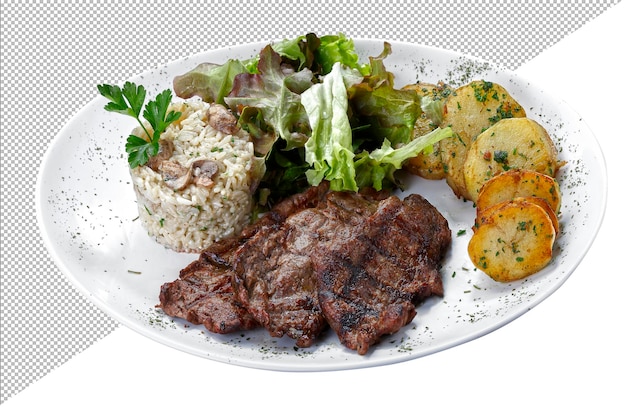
481,92
500,156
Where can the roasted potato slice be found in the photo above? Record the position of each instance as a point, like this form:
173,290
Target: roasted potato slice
512,240
469,110
519,183
485,213
427,164
508,144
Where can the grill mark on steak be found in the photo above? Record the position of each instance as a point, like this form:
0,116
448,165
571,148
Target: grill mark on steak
357,262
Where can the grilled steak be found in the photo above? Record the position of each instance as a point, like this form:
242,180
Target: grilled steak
369,284
203,294
357,262
275,282
274,275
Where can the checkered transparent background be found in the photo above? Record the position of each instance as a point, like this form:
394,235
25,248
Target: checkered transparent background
54,53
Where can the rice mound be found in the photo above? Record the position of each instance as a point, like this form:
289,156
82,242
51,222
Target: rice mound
194,216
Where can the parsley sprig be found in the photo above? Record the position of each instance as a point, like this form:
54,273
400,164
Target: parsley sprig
129,101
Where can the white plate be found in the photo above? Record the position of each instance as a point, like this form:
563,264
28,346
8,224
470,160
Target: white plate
86,211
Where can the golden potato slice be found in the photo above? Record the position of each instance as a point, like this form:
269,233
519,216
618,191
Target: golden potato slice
511,143
469,110
438,90
512,240
486,212
427,164
519,183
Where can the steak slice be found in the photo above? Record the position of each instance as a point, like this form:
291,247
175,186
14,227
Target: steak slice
203,294
274,275
274,281
368,285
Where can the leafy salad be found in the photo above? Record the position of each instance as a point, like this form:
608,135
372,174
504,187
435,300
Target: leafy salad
316,113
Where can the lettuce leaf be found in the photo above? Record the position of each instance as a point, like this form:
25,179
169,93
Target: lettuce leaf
385,112
293,49
211,82
275,92
329,148
433,109
289,49
338,48
376,169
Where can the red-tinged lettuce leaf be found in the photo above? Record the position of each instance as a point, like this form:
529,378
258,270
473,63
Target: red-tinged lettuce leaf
275,92
211,82
263,138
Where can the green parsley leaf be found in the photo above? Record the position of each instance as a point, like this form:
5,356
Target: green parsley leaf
140,150
156,110
135,96
129,101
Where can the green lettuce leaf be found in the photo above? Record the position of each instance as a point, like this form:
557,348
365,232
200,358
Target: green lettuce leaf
377,168
383,111
433,109
329,148
338,48
318,54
